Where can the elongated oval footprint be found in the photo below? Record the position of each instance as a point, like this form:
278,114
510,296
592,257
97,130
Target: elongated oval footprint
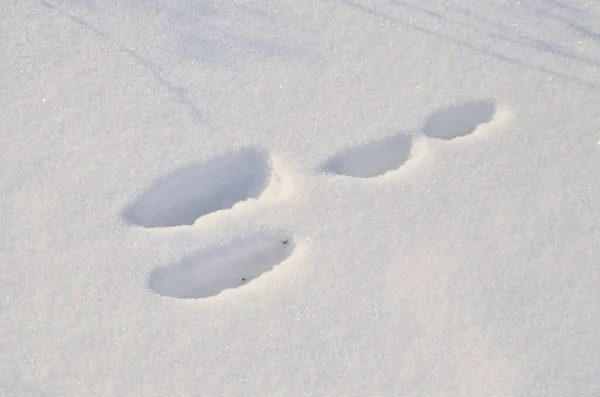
459,120
373,159
200,189
207,273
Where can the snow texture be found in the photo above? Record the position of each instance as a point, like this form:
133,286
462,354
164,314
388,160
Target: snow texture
295,198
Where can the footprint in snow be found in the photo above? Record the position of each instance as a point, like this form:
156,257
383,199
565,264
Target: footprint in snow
207,273
459,120
200,189
373,159
389,154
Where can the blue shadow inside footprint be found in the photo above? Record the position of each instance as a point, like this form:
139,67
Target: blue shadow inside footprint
207,273
459,120
373,159
199,189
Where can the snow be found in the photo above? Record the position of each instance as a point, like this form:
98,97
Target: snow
277,198
224,182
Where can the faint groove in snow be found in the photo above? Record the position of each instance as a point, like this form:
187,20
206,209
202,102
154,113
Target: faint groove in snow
459,120
200,189
207,273
373,159
181,94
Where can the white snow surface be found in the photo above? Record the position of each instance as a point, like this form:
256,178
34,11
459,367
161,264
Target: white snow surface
300,198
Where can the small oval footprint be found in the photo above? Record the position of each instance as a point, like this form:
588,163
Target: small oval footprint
200,189
373,159
207,273
459,120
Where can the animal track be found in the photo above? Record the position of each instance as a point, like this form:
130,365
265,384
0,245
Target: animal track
459,120
201,189
379,157
220,183
373,159
207,273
